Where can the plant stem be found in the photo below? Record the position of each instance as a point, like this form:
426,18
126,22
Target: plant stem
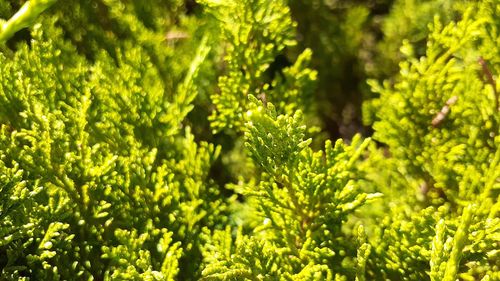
23,18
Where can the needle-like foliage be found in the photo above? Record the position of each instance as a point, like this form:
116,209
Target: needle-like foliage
180,140
440,122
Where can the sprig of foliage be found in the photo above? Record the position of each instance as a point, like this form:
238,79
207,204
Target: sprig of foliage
440,141
440,123
303,200
256,32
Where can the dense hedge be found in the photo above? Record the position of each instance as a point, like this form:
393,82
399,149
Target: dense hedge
249,140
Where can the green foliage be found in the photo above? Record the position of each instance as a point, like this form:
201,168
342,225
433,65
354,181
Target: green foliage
23,18
303,200
340,33
129,260
119,186
439,121
174,140
401,26
256,32
445,104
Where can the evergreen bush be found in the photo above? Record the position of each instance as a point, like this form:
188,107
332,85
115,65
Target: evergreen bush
183,140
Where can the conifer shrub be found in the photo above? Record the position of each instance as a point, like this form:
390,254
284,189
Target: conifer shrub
181,140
